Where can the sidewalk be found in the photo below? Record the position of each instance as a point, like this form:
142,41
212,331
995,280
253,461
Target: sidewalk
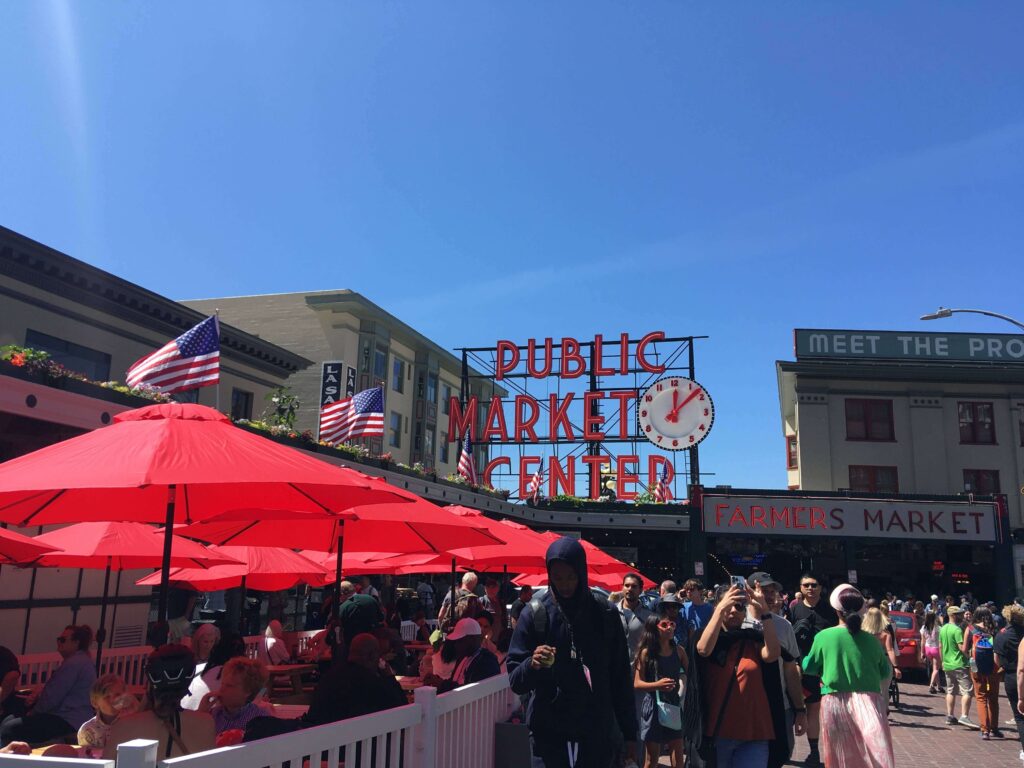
922,739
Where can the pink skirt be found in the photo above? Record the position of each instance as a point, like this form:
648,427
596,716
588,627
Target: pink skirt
855,731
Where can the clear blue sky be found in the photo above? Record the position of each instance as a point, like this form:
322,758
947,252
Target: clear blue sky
491,169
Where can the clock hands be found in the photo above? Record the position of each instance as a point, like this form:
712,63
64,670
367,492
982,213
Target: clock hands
673,415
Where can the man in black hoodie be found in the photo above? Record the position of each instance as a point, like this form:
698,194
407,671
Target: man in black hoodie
571,658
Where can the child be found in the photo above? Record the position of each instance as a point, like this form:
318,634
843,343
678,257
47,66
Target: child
110,699
659,665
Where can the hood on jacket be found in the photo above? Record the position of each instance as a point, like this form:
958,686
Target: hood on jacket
569,551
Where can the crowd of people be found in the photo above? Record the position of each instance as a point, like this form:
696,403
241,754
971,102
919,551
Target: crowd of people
730,676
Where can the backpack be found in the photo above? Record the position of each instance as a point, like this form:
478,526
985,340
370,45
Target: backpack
804,631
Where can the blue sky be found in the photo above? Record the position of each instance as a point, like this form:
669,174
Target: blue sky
492,170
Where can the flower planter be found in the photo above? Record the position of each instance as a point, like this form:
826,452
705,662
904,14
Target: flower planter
76,386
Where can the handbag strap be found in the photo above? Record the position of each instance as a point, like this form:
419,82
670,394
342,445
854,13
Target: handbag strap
728,692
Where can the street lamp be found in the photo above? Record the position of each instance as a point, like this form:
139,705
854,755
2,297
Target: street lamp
945,312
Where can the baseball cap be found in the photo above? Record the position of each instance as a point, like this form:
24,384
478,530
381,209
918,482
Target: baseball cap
762,579
935,597
465,628
953,609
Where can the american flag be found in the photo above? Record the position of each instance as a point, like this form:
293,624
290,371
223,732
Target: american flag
534,487
466,466
190,361
361,415
661,489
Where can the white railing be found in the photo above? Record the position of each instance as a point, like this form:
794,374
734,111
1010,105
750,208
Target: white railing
129,663
408,631
466,719
36,761
454,730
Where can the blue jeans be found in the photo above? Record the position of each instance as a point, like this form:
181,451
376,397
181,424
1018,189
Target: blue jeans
733,753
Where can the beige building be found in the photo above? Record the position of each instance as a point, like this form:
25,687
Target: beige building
892,412
96,324
370,346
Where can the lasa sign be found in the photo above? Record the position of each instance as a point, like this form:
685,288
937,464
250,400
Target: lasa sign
870,518
570,417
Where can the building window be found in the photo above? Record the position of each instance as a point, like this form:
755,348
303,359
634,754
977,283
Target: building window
188,396
791,460
874,479
869,420
395,433
446,399
91,363
976,423
981,481
444,447
398,375
417,436
241,404
380,364
432,388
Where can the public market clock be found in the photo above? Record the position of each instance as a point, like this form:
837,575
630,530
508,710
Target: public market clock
675,413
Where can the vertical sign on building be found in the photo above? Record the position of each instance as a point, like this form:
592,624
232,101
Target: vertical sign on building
350,381
330,382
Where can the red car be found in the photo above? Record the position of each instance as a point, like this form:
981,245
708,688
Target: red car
908,638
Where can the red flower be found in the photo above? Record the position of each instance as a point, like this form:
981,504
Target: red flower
18,359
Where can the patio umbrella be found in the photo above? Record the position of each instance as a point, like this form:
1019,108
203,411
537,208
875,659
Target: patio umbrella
173,463
609,581
119,547
15,548
378,563
267,569
418,527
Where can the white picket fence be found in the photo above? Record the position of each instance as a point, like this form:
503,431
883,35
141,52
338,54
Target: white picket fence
130,663
453,730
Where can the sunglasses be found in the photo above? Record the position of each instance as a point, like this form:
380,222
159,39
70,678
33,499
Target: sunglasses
666,624
812,586
63,639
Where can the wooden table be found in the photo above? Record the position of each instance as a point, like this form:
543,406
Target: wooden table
291,671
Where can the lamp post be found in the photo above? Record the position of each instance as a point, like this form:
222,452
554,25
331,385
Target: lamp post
945,312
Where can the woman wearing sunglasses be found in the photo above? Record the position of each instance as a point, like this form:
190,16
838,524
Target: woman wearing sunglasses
658,667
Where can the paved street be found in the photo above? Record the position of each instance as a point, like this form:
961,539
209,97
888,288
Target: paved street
923,740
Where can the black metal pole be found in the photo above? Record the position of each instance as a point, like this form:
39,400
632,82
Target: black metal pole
117,596
101,635
451,606
28,611
165,565
78,596
694,458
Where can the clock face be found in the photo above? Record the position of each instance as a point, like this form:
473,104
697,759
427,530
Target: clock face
675,413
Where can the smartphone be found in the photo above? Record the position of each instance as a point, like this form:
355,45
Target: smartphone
739,581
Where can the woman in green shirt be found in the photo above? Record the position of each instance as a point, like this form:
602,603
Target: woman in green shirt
851,665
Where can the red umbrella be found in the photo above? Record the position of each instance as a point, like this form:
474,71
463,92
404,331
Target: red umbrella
174,463
119,547
15,548
609,581
265,568
408,528
598,561
383,563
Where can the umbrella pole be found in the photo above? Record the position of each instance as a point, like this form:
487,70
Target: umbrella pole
451,609
102,634
243,622
165,565
78,596
28,610
117,596
337,581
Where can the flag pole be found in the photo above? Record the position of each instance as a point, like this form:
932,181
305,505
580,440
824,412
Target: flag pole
216,314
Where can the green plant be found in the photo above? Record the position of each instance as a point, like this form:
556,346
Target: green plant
282,408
